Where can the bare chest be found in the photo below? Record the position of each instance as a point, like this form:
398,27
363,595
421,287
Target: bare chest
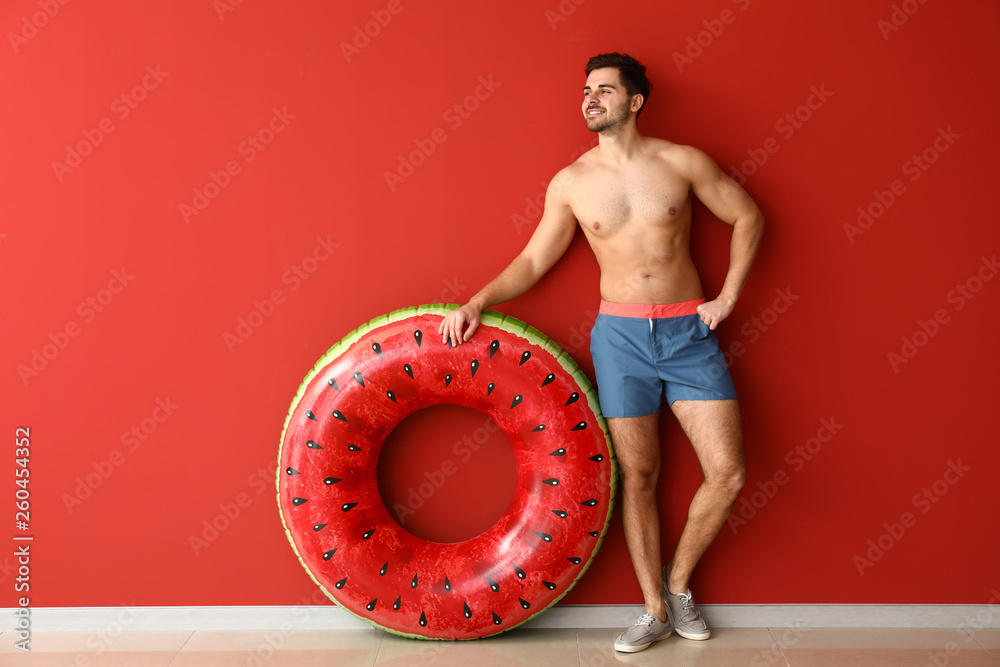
605,201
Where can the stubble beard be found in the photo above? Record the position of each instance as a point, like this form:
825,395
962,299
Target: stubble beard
613,119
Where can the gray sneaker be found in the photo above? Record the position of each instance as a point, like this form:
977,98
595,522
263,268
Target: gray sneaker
647,629
684,615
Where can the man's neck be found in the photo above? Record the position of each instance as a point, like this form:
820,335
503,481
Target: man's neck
621,144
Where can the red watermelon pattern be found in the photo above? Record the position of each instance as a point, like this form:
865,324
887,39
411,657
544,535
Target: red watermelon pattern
358,553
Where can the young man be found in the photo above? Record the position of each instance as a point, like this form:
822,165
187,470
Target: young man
654,337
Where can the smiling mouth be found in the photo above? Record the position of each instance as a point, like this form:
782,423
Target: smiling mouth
594,112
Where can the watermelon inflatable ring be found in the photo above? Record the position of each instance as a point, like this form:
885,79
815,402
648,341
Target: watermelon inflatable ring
362,558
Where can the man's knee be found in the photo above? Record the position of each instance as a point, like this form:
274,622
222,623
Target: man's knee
641,476
729,479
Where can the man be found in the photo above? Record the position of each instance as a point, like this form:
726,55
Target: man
654,337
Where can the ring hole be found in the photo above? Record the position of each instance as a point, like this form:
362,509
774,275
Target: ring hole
447,473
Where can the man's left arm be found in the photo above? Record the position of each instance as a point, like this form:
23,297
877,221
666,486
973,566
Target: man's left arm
730,203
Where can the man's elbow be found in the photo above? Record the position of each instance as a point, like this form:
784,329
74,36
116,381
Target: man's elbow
752,222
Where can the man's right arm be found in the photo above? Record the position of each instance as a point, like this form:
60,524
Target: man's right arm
547,244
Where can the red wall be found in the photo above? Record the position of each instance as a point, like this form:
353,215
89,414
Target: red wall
829,304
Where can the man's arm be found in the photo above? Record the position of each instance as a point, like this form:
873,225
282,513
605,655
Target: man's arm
547,244
731,204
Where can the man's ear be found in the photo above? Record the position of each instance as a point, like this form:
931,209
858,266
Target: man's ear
637,101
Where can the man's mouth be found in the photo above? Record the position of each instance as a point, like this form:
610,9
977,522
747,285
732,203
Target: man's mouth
594,111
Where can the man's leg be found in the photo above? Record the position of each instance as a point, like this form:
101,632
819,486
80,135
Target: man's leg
715,432
637,448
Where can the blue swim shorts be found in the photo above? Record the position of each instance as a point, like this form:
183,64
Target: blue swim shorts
643,353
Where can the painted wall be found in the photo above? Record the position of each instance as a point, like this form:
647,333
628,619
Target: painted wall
201,197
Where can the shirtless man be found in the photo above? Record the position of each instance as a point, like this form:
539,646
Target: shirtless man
654,337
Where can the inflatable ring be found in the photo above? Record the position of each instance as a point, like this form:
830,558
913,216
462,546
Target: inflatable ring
362,558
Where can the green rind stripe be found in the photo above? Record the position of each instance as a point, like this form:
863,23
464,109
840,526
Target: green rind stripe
490,318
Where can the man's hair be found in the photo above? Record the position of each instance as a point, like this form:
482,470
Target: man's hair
631,72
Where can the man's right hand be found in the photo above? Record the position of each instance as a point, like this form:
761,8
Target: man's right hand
456,321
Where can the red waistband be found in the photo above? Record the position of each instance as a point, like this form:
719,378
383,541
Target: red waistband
651,311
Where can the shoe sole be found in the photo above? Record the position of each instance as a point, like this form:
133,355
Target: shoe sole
687,635
637,648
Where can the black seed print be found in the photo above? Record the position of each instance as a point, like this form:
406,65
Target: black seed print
494,346
385,568
333,383
354,448
579,427
560,513
423,620
493,585
409,370
447,380
559,452
310,415
519,572
312,444
319,526
466,611
395,605
447,585
496,619
377,349
574,560
329,554
299,501
371,605
590,503
331,480
573,398
524,603
540,427
339,415
413,584
357,377
593,533
549,585
368,534
545,536
597,457
418,336
524,357
489,388
548,378
292,471
392,396
474,366
347,507
551,482
340,584
516,402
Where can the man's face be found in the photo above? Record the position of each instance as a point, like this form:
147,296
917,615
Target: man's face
605,102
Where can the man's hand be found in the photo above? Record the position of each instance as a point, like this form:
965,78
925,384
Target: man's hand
454,322
713,312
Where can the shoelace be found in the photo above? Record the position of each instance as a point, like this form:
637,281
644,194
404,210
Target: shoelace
686,599
647,620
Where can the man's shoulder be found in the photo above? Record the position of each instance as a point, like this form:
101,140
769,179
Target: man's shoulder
576,169
672,151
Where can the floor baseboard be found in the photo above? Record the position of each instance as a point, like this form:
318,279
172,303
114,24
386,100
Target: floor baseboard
329,617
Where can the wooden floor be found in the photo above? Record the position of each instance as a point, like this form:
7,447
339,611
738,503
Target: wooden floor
754,647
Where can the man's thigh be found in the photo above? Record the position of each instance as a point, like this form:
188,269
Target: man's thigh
716,433
636,442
